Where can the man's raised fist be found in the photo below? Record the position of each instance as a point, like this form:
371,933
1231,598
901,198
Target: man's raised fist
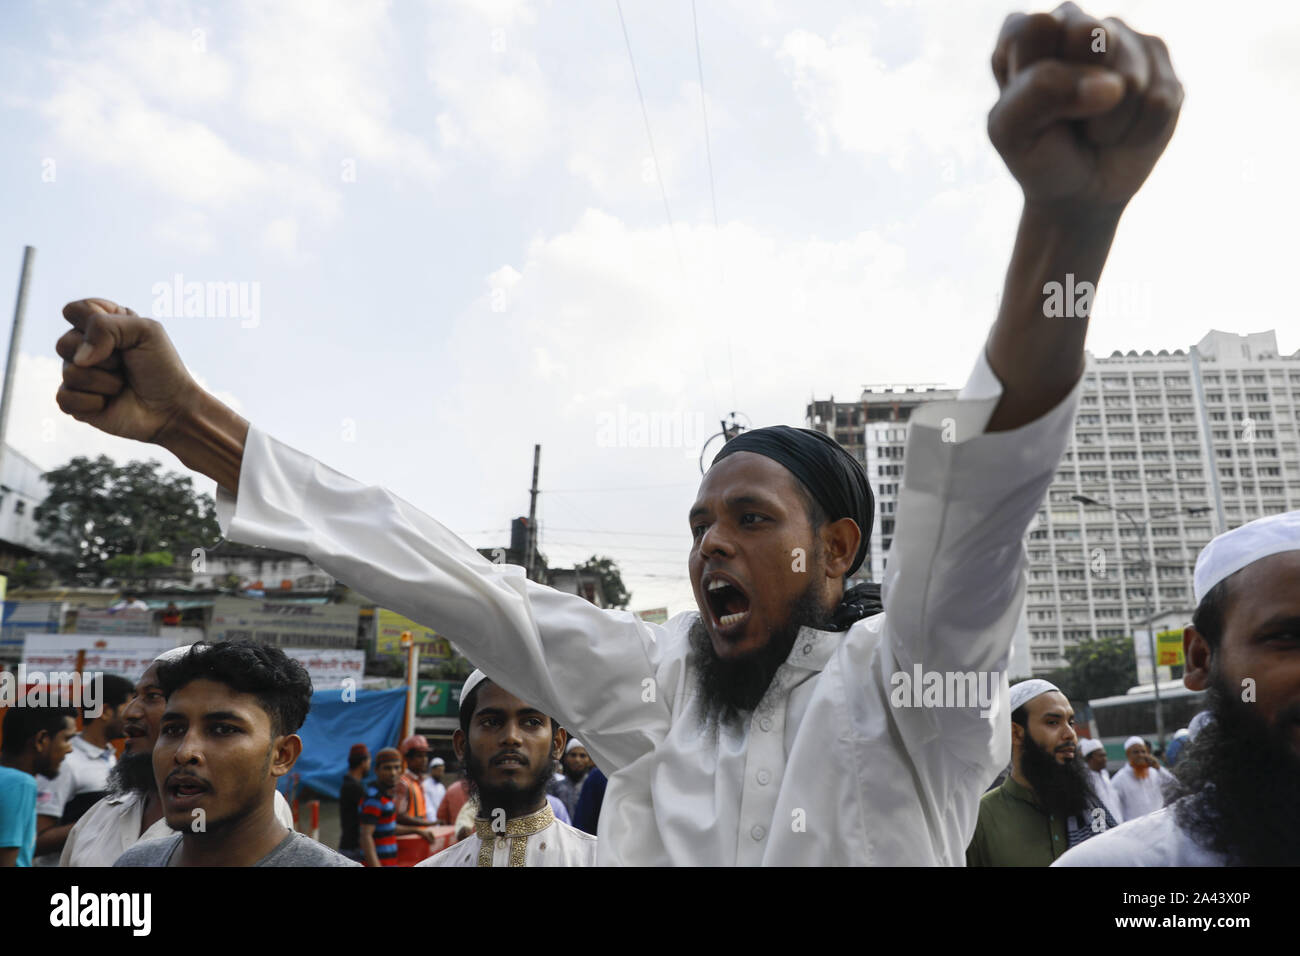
120,371
1087,107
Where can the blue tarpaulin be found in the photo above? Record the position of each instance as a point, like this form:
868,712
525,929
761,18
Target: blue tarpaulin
374,718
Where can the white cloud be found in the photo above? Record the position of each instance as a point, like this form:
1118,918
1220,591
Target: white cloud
324,73
854,99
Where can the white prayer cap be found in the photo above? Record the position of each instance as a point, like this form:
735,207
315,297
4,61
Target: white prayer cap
1027,690
573,742
1198,724
472,681
437,762
1233,550
1088,745
1182,732
1134,741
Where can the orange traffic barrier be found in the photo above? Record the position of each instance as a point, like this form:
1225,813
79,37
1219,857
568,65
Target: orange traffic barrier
412,848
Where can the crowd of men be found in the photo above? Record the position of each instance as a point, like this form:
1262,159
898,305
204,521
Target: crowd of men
763,728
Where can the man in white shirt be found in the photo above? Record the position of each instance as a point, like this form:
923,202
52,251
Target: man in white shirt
1094,755
83,776
1140,784
509,750
132,811
762,728
434,788
1238,782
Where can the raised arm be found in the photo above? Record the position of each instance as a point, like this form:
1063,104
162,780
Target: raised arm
591,669
1086,108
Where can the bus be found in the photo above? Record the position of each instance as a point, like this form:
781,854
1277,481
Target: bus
1115,719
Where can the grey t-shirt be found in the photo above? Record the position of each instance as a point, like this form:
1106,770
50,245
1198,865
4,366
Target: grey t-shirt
296,849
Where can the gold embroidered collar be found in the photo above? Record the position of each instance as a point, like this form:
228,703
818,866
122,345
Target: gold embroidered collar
517,831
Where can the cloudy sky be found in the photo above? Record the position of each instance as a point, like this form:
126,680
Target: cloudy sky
454,241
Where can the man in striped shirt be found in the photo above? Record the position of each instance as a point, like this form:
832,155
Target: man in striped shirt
378,811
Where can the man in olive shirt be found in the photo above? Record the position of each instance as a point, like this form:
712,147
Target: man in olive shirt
1047,804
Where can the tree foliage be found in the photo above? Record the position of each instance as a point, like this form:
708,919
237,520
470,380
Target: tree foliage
611,579
1101,668
98,511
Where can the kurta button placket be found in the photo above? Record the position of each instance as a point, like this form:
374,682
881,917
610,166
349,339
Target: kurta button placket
758,832
763,777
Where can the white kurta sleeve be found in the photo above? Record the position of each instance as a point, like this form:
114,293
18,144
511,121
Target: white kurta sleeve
585,666
955,579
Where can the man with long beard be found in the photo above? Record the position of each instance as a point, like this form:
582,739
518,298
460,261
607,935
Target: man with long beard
1140,784
759,728
1093,753
1237,786
1047,804
132,811
509,750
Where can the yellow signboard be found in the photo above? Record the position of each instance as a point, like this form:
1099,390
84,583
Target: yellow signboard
1169,648
389,626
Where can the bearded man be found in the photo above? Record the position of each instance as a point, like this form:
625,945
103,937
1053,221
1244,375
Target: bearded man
1140,784
1048,802
1237,784
510,750
759,728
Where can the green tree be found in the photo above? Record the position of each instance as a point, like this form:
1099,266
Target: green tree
610,578
1101,668
97,511
29,574
138,567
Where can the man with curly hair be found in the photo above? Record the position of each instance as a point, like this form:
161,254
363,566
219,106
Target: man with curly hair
228,734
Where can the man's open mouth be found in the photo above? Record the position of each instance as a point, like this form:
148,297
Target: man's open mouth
728,602
509,760
183,788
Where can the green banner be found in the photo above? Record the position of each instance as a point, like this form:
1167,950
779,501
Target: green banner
437,698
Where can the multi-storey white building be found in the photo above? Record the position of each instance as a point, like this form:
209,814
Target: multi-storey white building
22,489
1146,429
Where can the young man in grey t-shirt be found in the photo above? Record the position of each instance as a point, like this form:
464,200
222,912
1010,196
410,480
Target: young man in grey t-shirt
227,735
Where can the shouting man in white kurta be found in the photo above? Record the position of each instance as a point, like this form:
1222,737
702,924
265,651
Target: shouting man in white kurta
758,729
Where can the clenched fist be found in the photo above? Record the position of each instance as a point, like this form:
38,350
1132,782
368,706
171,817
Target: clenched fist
120,372
1086,108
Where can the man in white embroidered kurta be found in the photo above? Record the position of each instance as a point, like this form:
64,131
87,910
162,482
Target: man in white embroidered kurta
508,749
824,770
534,840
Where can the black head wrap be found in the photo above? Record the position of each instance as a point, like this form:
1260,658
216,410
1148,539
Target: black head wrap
837,482
831,475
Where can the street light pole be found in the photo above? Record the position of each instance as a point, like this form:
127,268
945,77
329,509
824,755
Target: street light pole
1151,631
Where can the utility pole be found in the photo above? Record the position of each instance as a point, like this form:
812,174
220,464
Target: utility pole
532,517
15,337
